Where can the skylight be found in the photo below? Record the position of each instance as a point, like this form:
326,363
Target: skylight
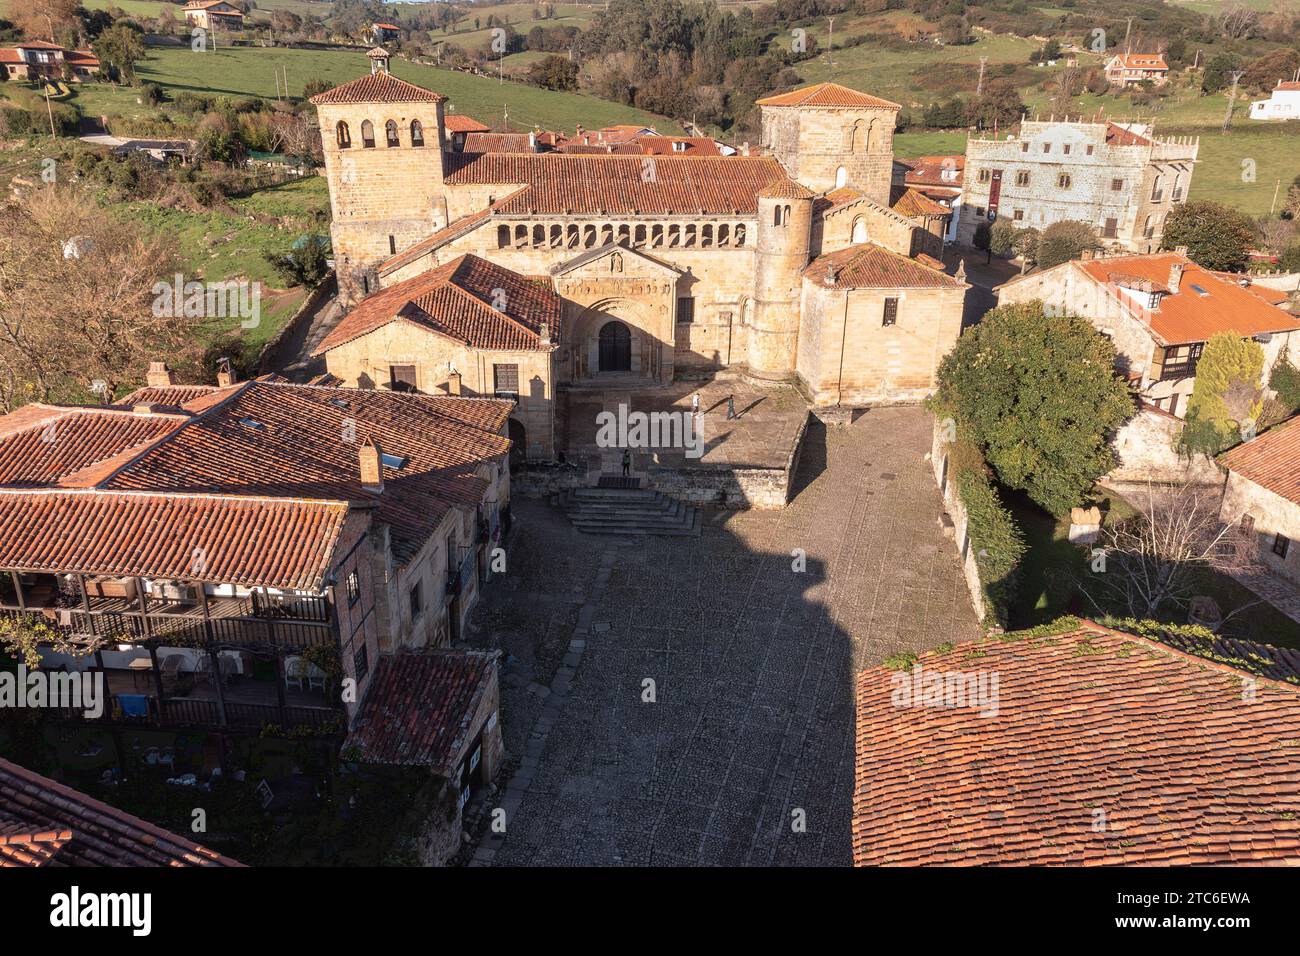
394,461
1199,290
251,423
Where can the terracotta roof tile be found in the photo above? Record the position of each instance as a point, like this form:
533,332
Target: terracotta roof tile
1142,61
1117,135
42,445
1185,768
563,183
481,142
460,123
460,300
869,266
827,94
460,227
419,708
931,170
380,87
785,188
45,822
917,205
1270,459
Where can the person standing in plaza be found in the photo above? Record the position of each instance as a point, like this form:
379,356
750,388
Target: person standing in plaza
627,463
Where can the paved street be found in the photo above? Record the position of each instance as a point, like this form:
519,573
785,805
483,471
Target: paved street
747,729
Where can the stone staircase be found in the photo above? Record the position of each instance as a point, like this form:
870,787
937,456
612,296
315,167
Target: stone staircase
629,511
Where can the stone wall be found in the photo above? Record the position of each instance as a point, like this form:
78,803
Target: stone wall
815,143
955,521
1146,447
1273,515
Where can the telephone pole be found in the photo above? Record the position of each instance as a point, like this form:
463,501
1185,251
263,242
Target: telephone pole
830,46
1232,99
979,84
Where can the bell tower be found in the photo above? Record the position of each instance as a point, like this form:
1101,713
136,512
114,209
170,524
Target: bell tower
784,234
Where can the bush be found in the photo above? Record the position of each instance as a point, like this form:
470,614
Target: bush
1285,380
995,540
1063,241
306,264
1216,236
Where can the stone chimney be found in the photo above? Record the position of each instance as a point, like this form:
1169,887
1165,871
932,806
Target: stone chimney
378,60
453,383
225,373
1180,251
370,457
532,142
545,333
159,375
1087,253
1176,275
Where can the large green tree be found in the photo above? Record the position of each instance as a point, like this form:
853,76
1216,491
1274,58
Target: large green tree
1227,397
1037,392
120,47
1216,236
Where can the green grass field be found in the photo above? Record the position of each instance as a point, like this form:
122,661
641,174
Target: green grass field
251,71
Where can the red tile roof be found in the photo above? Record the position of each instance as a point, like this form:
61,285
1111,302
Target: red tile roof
868,266
1105,749
10,56
663,146
419,708
930,170
1186,315
460,227
44,445
460,300
460,123
784,188
1117,135
167,396
43,822
286,543
917,205
830,95
480,142
1142,61
204,4
1270,459
380,87
563,183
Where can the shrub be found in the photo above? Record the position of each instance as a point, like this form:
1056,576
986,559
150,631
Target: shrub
995,540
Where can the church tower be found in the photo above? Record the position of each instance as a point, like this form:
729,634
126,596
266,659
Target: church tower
829,136
384,142
784,234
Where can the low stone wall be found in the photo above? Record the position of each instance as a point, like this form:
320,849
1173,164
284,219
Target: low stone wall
544,479
955,520
1147,449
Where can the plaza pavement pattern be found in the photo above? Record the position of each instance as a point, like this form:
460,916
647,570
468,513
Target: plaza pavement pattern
745,755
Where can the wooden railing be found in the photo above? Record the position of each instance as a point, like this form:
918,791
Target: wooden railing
202,713
182,629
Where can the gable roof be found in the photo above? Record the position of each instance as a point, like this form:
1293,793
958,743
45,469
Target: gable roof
1185,770
46,823
1271,459
460,123
1141,61
827,95
44,445
477,141
420,707
929,170
459,300
570,184
1184,314
916,205
1117,135
378,87
205,4
653,145
868,266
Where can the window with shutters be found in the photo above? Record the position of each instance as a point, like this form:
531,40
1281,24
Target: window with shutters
505,379
891,311
686,309
1281,545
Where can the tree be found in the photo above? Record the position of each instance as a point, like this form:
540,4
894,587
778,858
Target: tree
76,299
554,73
1063,241
1218,72
1227,397
1037,393
120,47
1154,561
46,18
999,104
1216,237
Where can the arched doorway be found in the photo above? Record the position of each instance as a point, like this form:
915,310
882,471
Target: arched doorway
615,347
518,436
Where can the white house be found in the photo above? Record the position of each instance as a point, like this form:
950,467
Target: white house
1282,104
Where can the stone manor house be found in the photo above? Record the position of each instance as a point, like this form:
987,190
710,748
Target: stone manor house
512,274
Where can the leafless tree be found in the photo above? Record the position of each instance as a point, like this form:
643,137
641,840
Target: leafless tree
1238,21
1151,563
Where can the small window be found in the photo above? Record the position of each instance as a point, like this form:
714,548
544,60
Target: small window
401,378
686,309
1281,545
1248,523
891,311
1089,150
1063,181
1047,147
1111,229
344,135
1116,185
417,137
776,216
392,245
396,462
505,379
1022,177
1066,149
984,175
417,599
368,134
361,663
1024,147
390,134
1018,215
354,587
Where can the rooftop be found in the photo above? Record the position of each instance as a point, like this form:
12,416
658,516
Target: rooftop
869,266
1105,748
1271,459
378,87
827,95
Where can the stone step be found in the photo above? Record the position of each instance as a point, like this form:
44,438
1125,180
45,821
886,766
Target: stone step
627,511
691,530
673,520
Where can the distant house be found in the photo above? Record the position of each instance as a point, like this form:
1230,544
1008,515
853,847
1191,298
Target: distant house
1125,68
159,150
1283,103
1160,310
381,33
214,15
34,60
1088,747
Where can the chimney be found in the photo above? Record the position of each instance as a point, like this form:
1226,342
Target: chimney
225,373
1180,251
372,467
453,383
545,333
1175,275
1087,253
532,142
159,375
142,408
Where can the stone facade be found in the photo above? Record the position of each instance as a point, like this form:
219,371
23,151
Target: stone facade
832,147
1147,450
1120,180
1272,515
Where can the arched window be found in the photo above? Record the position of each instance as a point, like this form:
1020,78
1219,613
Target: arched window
638,237
521,236
390,134
706,236
539,236
674,236
690,236
657,234
776,216
588,237
740,233
417,133
858,137
624,234
724,235
503,237
557,236
785,215
344,135
841,177
368,134
573,236
859,231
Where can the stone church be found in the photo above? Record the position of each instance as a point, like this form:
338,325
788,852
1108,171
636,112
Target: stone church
517,273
